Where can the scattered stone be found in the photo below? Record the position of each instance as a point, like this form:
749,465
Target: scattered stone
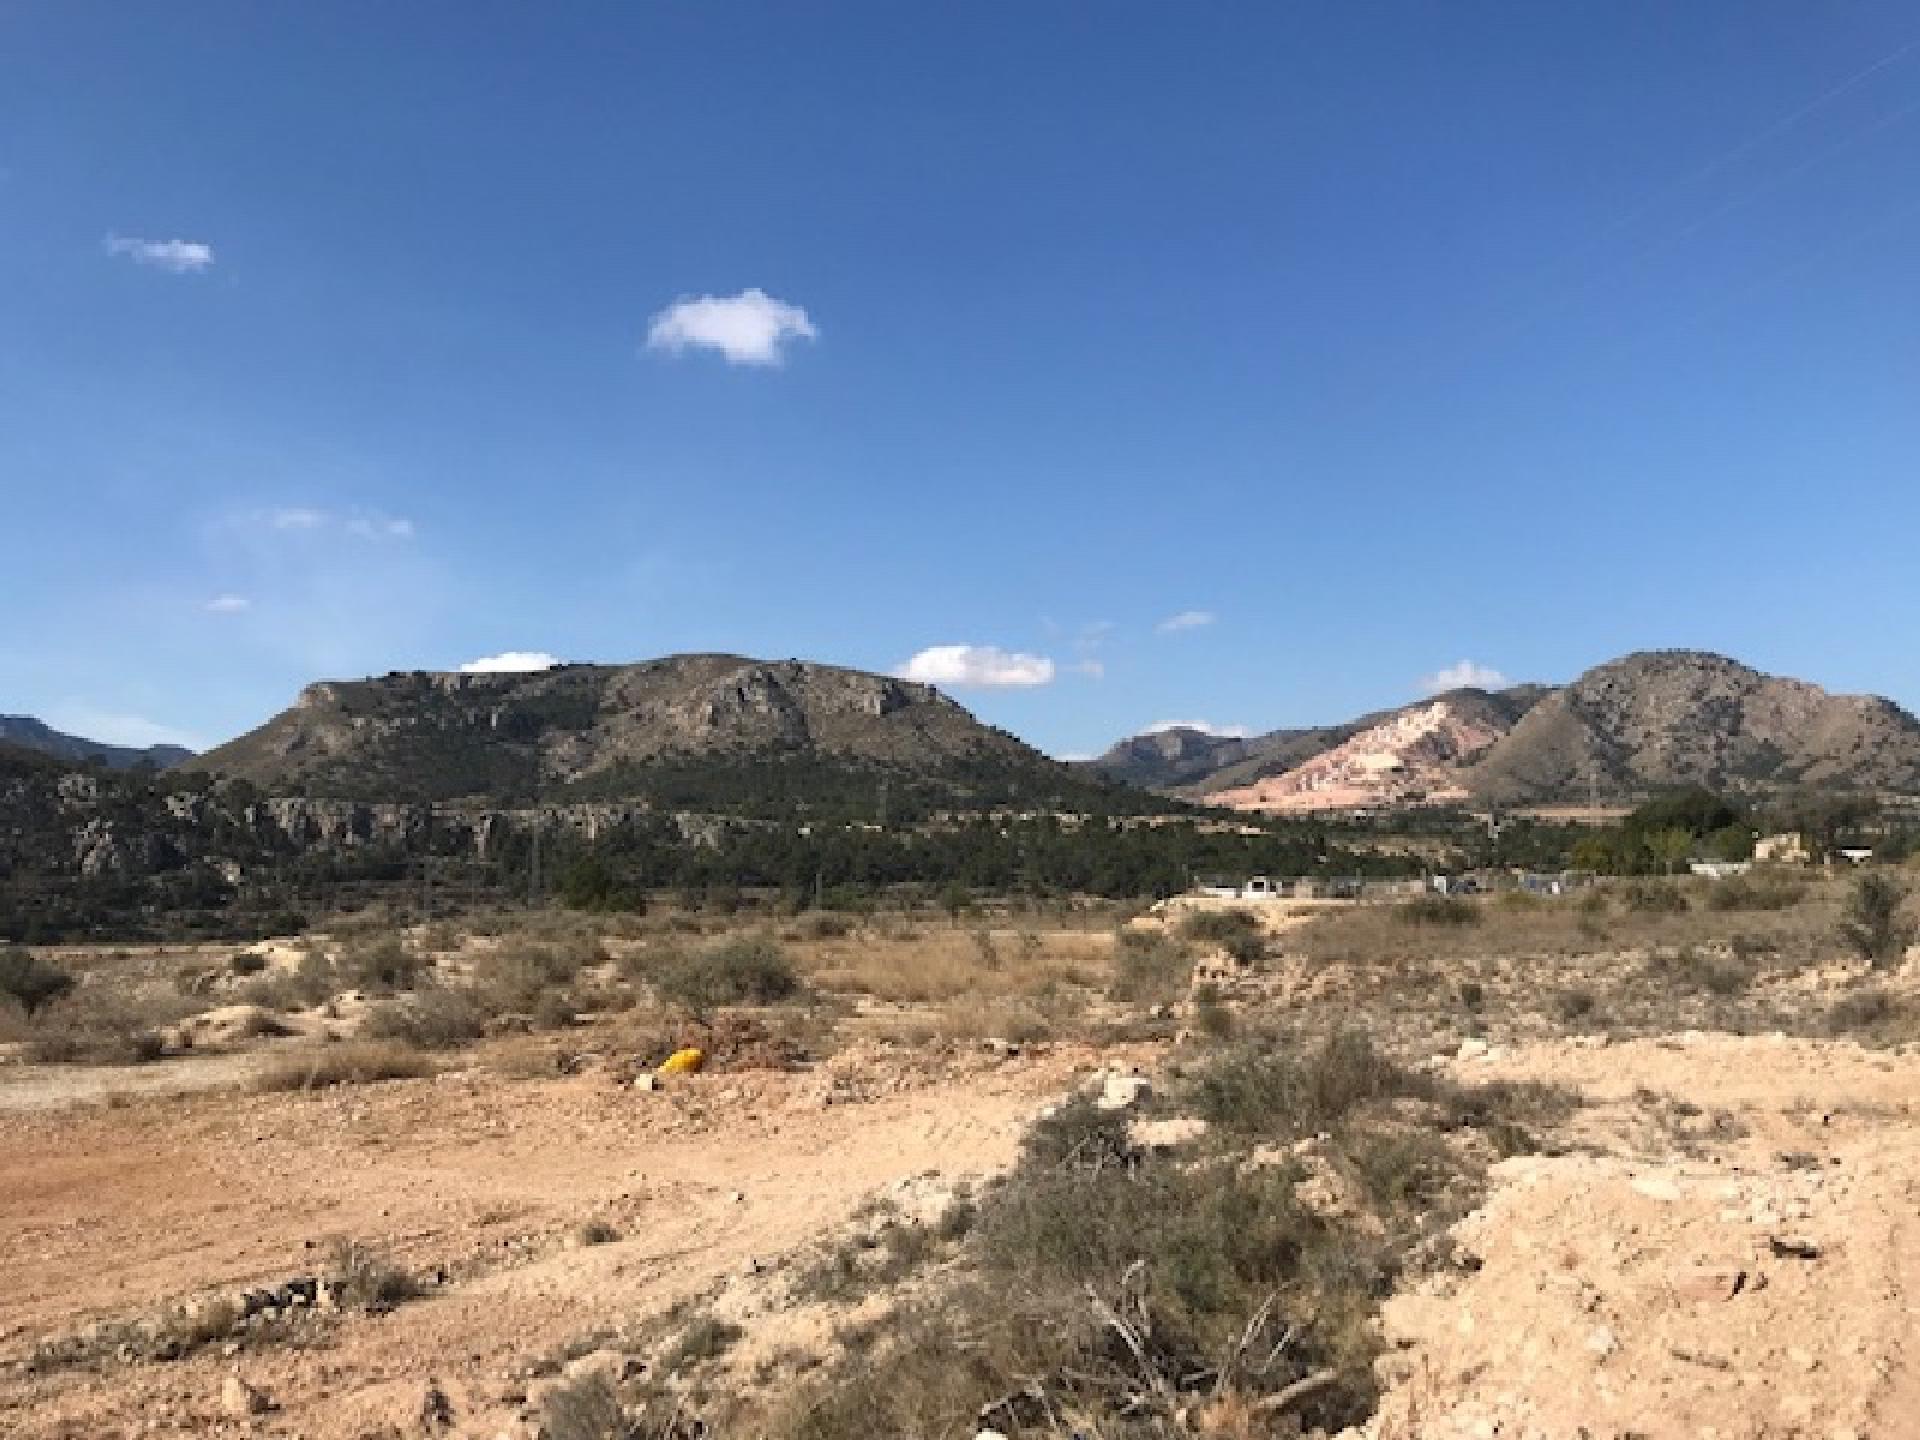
1168,1134
240,1400
1603,1342
646,1081
1122,1092
1657,1187
1709,1282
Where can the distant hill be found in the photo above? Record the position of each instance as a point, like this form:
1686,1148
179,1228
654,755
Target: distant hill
1666,718
718,732
1203,767
1629,728
32,734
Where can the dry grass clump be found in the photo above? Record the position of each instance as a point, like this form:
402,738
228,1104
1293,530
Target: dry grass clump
1635,915
364,1279
98,1024
945,964
1448,909
364,1062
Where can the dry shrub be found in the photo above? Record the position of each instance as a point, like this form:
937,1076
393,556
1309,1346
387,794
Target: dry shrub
96,1025
364,1062
1238,932
1267,1090
748,970
1149,966
364,1279
429,1020
1762,890
587,1408
1444,910
380,963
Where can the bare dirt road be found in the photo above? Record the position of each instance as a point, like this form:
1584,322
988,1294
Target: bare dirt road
107,1212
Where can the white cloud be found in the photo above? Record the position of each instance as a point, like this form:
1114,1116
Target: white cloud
371,525
1205,727
112,728
228,604
1186,620
749,328
510,662
984,666
180,257
1465,676
1092,669
360,524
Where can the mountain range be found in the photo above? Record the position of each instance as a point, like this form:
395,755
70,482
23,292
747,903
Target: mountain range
1644,723
729,734
32,734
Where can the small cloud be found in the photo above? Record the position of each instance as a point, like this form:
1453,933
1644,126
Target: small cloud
1205,727
749,328
371,525
360,524
1464,676
179,257
113,728
1092,669
228,605
1075,757
1186,620
510,662
983,666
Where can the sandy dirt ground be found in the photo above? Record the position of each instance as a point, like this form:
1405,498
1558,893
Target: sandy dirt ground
108,1212
1749,1270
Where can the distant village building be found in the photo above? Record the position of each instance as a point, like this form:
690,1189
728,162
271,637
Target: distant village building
1788,848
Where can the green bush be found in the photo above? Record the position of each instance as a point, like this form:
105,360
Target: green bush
29,981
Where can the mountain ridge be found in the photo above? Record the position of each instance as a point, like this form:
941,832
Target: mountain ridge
1644,722
784,735
30,733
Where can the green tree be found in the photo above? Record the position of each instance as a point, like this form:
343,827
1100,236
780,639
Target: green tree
1874,925
1670,848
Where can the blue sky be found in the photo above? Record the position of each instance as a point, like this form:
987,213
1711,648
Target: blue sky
1361,341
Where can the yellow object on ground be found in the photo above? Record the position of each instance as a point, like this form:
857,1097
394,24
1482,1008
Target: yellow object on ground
684,1062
